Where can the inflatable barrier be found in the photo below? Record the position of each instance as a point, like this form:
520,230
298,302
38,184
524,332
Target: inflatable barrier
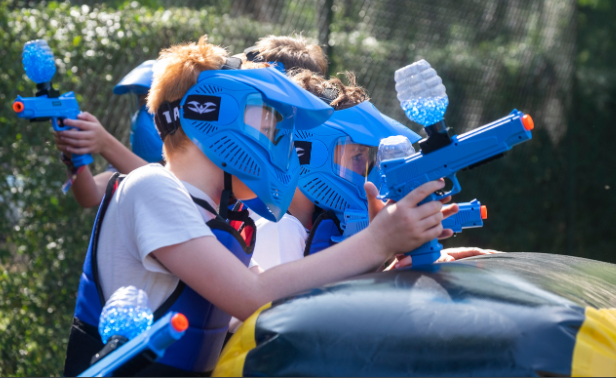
514,314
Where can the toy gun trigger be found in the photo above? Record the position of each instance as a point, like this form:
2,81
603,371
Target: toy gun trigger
58,124
457,188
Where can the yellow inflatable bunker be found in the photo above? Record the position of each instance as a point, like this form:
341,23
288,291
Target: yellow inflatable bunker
514,314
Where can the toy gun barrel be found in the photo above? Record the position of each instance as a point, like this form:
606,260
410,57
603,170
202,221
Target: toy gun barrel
57,109
44,108
465,151
143,350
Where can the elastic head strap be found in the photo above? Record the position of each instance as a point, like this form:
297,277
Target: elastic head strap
232,63
167,118
329,95
252,54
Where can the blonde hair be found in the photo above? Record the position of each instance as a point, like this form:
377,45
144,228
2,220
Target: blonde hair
293,52
177,70
347,95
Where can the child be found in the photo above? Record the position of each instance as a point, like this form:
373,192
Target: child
350,150
93,138
224,132
286,53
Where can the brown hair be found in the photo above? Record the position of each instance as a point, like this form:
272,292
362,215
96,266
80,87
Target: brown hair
176,71
292,52
347,95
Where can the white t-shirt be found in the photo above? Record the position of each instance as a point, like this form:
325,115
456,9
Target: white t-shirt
151,209
279,242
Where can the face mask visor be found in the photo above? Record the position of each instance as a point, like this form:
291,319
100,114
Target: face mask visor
271,125
354,162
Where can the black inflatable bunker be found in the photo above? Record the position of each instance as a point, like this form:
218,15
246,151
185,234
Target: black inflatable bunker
514,314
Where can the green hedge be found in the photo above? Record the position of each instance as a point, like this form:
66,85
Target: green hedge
44,234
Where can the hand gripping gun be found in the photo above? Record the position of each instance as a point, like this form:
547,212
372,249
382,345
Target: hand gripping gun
38,62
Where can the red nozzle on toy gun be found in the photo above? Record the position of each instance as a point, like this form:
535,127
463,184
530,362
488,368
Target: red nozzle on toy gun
484,212
528,122
18,107
179,322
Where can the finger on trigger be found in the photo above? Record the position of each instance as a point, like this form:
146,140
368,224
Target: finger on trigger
423,191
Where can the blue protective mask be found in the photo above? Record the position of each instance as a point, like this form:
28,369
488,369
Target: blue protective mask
144,138
279,66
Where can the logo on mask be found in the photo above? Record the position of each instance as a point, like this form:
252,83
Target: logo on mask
304,151
202,108
208,107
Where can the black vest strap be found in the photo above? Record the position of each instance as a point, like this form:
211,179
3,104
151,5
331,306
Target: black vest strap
226,196
324,215
206,206
112,185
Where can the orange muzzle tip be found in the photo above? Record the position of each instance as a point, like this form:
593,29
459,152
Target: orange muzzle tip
484,212
179,322
528,122
18,106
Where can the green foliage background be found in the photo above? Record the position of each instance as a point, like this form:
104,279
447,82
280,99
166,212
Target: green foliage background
553,60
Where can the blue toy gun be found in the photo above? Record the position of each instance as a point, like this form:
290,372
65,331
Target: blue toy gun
442,156
38,62
470,215
135,355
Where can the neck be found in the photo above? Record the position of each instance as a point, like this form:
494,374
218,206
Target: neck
192,166
302,208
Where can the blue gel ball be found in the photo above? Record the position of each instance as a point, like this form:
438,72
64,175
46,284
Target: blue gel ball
127,321
426,110
38,61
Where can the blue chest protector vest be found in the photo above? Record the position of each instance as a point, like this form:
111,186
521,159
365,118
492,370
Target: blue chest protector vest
198,350
323,229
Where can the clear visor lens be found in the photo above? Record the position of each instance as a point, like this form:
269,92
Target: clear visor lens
354,162
271,128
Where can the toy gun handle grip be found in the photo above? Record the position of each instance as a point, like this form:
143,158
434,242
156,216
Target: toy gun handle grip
427,253
430,251
78,160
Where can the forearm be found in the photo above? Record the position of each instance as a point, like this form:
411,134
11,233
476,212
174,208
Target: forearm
356,255
86,190
221,278
124,160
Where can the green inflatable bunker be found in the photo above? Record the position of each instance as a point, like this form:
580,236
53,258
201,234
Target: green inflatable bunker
513,314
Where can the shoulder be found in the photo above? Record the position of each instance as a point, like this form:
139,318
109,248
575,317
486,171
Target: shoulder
150,177
152,182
